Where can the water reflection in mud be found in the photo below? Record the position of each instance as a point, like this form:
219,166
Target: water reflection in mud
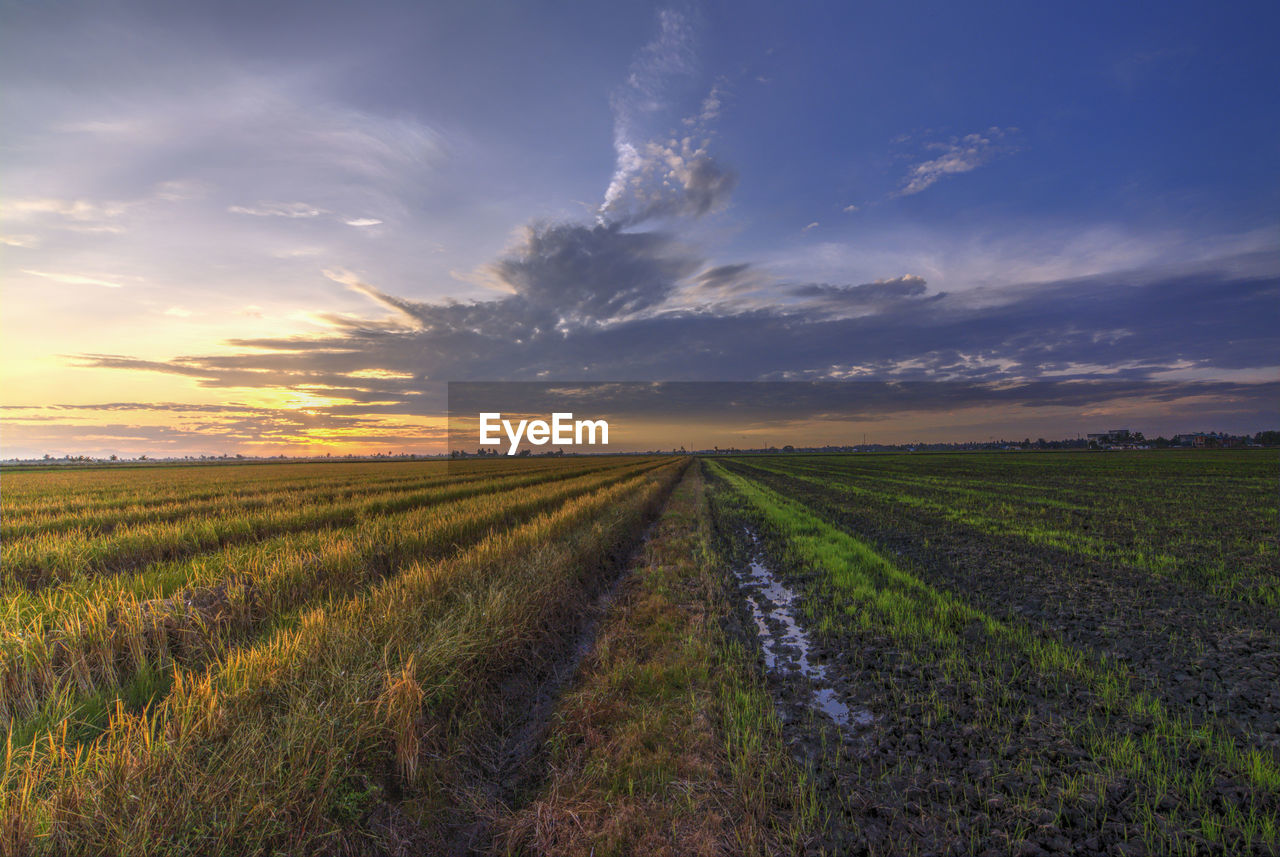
785,643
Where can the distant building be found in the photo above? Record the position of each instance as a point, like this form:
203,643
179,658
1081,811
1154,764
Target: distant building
1212,440
1116,439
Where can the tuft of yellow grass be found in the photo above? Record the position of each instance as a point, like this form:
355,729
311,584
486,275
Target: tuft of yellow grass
401,708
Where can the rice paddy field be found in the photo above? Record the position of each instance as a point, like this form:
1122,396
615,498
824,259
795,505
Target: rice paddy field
831,654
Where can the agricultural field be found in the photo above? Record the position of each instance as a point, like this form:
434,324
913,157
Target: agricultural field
1058,653
857,654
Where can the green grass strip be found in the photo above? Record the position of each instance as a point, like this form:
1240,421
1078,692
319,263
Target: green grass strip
915,613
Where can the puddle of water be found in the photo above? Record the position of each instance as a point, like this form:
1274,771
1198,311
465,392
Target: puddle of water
825,700
787,649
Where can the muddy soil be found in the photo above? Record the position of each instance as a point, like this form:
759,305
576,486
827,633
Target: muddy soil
1208,658
787,650
948,765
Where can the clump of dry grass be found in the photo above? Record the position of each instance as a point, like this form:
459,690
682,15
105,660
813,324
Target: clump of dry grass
22,770
401,707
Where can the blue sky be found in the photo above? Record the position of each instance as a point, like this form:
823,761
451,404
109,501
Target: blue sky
279,227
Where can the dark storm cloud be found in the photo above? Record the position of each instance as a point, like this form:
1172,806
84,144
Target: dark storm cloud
907,285
881,293
578,290
727,284
762,402
723,277
594,272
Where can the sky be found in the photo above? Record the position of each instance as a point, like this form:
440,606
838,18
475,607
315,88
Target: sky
282,228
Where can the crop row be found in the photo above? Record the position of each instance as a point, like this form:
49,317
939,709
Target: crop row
44,561
284,743
1212,544
53,492
103,519
1080,487
82,490
27,608
1085,488
75,659
53,511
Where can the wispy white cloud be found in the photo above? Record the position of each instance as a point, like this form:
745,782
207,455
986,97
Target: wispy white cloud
381,374
363,221
279,209
71,209
74,279
342,276
179,190
710,106
201,153
659,172
961,259
814,225
956,156
302,252
66,214
405,318
669,178
668,55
